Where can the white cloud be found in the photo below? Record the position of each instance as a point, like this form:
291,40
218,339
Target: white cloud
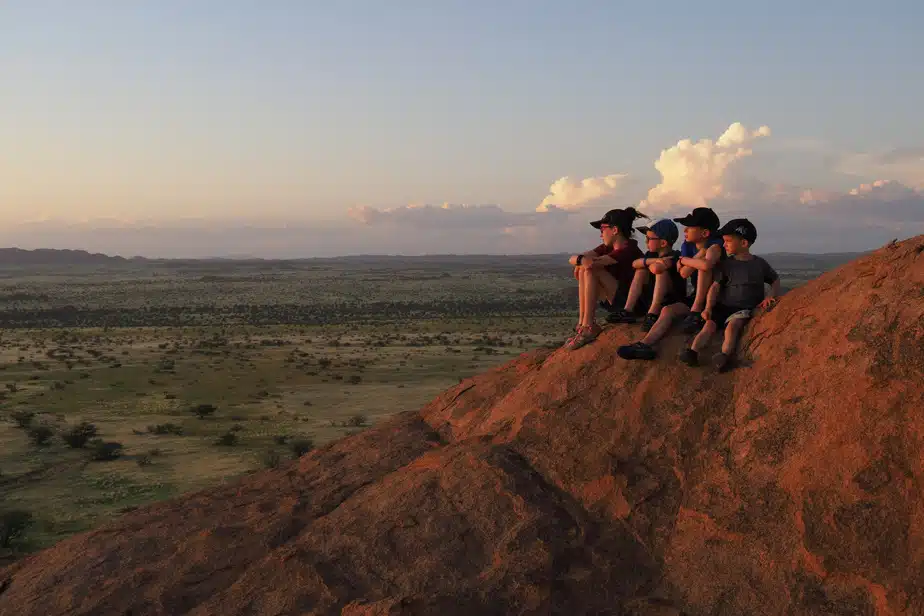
567,193
693,173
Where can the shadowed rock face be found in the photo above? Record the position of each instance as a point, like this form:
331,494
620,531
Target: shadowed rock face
574,483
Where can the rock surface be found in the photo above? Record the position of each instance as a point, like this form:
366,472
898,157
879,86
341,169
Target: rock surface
574,483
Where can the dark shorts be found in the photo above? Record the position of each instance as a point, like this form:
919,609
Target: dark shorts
622,295
723,314
676,296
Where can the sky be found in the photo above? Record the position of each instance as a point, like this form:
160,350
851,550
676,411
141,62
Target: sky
309,128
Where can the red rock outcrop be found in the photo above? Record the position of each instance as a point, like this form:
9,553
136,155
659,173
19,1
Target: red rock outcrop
574,483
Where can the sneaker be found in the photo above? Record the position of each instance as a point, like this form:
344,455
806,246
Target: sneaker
722,362
690,357
693,323
637,350
584,337
620,316
649,321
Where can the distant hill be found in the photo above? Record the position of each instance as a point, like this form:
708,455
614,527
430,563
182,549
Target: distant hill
63,257
54,256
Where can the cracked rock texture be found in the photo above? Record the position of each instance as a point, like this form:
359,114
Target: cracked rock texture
574,483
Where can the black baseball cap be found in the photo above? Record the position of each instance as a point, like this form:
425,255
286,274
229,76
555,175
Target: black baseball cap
615,218
742,227
702,217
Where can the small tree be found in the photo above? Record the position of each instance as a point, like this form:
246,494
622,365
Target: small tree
13,525
229,439
22,419
357,421
301,446
271,458
204,410
79,435
40,435
103,451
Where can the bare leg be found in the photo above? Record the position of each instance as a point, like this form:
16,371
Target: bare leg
662,284
664,322
703,282
732,331
588,311
580,279
635,291
597,283
702,338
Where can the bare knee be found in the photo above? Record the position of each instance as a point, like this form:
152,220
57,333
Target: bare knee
734,327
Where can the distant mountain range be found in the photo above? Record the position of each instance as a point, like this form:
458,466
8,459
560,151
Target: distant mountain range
54,256
66,257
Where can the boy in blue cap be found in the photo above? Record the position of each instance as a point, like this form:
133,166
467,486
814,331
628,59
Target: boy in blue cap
657,281
701,225
737,291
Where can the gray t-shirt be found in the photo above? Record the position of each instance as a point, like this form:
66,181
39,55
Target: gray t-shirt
743,281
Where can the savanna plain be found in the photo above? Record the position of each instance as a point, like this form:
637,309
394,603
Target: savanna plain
123,382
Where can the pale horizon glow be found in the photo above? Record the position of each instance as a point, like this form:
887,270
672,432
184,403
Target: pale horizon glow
315,128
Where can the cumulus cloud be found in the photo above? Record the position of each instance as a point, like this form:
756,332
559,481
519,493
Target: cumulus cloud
567,193
693,173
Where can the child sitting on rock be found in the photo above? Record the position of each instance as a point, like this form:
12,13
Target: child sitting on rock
701,226
737,291
701,250
657,281
605,272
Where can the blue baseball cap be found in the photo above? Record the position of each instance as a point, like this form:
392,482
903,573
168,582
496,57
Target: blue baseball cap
665,230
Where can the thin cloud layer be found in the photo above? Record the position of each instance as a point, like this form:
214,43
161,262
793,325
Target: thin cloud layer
569,194
451,216
905,165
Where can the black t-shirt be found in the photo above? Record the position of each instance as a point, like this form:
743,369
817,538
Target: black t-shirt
678,283
743,281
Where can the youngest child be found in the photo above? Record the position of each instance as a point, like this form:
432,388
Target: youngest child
737,290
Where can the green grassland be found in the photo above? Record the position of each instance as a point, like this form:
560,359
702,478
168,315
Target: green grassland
285,356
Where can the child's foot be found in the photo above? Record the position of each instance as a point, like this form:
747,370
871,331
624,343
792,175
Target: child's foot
693,323
637,350
649,321
585,336
620,316
722,362
690,357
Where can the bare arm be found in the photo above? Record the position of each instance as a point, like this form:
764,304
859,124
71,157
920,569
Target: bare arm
685,270
711,298
774,294
702,263
589,255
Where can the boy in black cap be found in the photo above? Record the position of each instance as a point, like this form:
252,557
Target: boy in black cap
701,226
738,289
705,243
605,272
657,282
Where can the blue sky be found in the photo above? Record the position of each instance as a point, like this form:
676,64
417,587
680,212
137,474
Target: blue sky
301,110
